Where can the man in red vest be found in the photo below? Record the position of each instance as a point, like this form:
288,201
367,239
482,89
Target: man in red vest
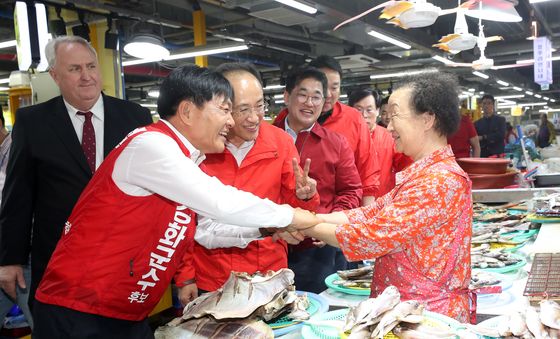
258,158
129,232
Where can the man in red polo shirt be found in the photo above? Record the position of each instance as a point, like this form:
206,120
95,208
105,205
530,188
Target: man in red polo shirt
464,139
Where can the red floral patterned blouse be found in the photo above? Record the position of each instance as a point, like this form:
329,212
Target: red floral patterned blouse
420,234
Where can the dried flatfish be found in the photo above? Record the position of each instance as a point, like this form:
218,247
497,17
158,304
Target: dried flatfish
208,327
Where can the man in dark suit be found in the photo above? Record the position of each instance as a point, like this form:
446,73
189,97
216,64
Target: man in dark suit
56,147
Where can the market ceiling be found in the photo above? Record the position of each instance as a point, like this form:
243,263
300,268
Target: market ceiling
281,37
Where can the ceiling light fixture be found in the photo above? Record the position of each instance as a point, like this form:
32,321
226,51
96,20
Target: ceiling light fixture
538,96
503,13
9,43
519,89
549,110
194,52
154,93
307,8
503,83
389,39
400,74
271,87
443,60
146,46
480,74
537,1
552,100
4,81
529,93
499,97
546,98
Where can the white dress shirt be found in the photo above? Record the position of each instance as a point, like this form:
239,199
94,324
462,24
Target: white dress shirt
98,111
153,163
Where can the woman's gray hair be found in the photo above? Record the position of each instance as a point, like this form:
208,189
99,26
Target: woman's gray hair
50,49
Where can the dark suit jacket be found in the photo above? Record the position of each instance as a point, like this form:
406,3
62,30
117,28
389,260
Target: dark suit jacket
46,173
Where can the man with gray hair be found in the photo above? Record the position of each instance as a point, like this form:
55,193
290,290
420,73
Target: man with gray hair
56,147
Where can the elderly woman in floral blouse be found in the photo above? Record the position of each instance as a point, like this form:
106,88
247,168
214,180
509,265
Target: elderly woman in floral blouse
419,232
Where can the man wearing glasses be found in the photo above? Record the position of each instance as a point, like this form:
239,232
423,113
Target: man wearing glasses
261,159
332,165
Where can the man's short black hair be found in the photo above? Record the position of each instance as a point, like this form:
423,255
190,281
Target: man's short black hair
325,61
234,67
362,93
488,96
197,84
300,74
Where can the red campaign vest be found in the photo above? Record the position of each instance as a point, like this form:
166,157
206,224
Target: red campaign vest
118,253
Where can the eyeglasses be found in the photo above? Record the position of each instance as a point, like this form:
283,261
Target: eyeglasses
368,110
315,99
246,110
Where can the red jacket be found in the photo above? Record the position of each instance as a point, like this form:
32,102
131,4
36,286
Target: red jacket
349,123
267,172
118,253
389,160
332,165
461,141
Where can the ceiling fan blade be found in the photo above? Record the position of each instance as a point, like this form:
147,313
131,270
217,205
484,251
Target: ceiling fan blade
494,38
387,3
449,37
391,11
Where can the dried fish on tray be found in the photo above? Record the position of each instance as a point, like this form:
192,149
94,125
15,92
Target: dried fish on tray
496,260
238,308
356,281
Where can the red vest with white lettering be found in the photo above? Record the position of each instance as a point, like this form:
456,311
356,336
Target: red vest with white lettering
118,253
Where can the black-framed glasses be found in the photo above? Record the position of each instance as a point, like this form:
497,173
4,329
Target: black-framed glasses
246,110
316,100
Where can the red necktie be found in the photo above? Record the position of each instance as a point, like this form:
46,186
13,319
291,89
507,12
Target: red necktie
88,140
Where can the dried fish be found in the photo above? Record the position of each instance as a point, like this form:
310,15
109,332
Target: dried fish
550,314
369,310
408,311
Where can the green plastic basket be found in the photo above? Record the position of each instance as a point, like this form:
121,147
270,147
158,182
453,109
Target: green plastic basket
509,268
348,290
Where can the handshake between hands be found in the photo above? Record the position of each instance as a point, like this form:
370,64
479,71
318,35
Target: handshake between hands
294,233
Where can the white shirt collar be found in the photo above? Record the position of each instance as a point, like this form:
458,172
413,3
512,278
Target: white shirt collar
293,133
196,156
97,109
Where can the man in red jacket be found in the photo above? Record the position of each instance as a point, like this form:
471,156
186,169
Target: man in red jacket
258,158
348,122
332,165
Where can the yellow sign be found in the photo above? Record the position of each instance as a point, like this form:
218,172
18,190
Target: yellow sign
517,111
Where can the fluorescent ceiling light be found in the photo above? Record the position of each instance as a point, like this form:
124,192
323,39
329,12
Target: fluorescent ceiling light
443,60
529,93
471,89
509,96
546,98
271,87
552,100
550,110
503,83
389,39
519,89
534,103
486,11
146,46
9,43
537,1
400,74
299,5
532,61
342,96
149,105
4,81
278,101
506,102
154,93
194,52
4,88
480,74
538,96
278,96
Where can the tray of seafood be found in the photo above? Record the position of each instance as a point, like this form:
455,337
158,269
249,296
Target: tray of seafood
530,322
382,317
285,324
496,260
356,281
241,308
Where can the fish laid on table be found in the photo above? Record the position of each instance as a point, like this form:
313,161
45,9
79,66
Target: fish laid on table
407,311
421,331
550,314
207,327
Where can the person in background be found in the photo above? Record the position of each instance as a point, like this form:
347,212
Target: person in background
129,232
465,141
22,294
343,119
491,129
390,161
259,158
383,113
332,165
420,233
511,136
56,147
547,134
